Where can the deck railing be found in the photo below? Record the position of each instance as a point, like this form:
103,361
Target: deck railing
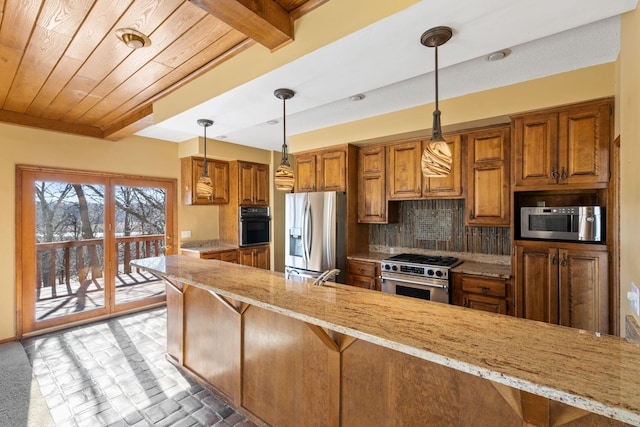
79,261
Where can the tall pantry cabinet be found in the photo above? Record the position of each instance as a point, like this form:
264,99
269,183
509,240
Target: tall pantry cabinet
561,158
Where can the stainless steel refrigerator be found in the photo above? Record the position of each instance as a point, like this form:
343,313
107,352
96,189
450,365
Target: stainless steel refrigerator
315,227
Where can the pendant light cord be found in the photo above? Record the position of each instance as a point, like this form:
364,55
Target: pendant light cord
285,157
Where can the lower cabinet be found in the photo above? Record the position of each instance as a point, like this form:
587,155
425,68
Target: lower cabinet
565,284
481,293
228,255
257,256
363,274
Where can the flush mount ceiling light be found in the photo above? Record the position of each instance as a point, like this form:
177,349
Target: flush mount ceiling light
284,174
358,97
133,38
204,187
498,56
436,157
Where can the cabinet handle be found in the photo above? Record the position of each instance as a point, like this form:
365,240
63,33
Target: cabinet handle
471,214
554,259
563,174
564,261
483,289
464,302
554,174
361,270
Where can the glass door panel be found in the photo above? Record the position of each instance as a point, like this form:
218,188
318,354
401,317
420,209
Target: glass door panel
69,252
140,224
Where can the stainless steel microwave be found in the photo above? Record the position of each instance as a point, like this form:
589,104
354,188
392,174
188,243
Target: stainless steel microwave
571,223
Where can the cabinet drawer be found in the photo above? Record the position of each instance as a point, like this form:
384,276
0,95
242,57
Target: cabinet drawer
484,286
229,256
362,268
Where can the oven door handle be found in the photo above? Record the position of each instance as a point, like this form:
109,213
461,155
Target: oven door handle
412,282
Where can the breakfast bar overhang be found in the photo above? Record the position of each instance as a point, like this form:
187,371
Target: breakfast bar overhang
290,353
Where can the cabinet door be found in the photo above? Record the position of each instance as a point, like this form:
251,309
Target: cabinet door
219,173
305,173
361,281
403,170
332,171
488,191
246,178
245,256
535,150
583,155
372,196
537,282
261,185
451,185
485,303
261,258
363,274
584,296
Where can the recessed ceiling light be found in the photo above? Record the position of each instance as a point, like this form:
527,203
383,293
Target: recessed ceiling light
273,122
133,38
497,56
222,137
358,97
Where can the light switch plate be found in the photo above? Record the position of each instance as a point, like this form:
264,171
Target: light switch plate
185,234
634,298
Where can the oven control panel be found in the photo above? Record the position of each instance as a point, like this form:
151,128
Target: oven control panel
415,270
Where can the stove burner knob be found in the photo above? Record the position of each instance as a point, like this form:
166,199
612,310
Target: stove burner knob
387,266
439,273
430,272
394,268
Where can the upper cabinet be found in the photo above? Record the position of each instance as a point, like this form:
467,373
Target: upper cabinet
191,170
450,185
488,190
253,184
403,171
567,146
372,191
324,170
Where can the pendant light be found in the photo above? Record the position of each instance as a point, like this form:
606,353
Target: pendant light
284,173
436,157
204,187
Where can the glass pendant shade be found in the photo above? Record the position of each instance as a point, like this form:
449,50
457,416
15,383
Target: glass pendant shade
204,186
284,178
437,159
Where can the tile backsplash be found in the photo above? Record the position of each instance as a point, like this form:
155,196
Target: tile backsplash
439,225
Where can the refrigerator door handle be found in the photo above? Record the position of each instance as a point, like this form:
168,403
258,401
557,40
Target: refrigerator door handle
328,232
306,229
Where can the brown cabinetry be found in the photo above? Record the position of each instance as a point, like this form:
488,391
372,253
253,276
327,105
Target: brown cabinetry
488,190
481,293
191,170
404,171
563,284
324,170
372,190
228,255
257,256
253,184
363,274
451,185
566,146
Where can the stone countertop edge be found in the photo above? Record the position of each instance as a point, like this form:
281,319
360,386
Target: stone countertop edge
560,366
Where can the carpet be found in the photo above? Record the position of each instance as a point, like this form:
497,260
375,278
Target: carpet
21,403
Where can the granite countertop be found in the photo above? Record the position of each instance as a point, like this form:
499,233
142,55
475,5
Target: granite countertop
205,246
594,372
478,264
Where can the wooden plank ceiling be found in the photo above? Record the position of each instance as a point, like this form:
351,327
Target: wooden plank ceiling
63,68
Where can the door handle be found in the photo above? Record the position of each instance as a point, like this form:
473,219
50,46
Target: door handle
554,174
554,259
563,174
563,262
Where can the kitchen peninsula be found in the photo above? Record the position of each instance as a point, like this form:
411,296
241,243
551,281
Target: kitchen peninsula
291,353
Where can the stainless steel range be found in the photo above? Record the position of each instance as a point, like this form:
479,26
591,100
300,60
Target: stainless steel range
419,276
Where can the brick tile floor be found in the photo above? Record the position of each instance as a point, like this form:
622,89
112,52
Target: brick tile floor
114,373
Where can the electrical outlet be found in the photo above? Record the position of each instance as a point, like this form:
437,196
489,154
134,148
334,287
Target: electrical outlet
185,234
634,298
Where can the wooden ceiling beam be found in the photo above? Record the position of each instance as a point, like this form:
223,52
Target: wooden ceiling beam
261,20
131,123
49,124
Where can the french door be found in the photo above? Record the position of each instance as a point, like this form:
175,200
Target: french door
77,233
